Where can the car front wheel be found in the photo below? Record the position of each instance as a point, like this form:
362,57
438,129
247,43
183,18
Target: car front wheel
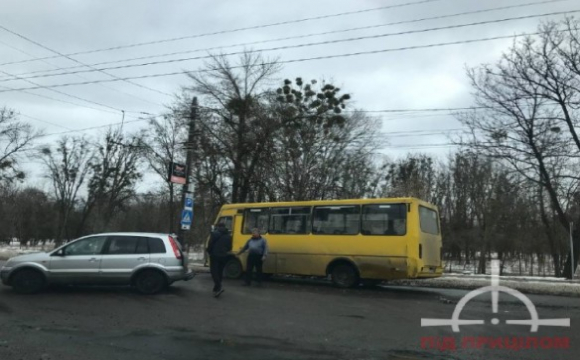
28,281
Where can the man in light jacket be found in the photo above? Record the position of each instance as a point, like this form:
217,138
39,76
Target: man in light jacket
257,248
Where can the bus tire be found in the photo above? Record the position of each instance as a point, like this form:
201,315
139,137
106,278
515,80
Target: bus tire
233,269
344,275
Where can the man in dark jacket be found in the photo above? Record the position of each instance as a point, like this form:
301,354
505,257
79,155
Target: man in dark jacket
220,244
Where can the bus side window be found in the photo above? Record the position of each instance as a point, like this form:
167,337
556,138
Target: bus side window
256,218
336,220
386,219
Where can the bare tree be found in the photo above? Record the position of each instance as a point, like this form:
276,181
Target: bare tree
162,144
233,95
112,177
67,169
16,138
528,95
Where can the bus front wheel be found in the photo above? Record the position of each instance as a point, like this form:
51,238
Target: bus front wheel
233,269
344,276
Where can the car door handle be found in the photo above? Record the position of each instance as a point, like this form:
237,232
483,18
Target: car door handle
92,259
141,258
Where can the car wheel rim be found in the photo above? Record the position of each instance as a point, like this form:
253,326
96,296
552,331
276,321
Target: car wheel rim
149,283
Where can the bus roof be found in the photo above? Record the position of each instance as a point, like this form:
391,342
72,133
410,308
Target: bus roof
328,202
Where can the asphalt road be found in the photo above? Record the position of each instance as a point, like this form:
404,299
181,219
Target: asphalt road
285,319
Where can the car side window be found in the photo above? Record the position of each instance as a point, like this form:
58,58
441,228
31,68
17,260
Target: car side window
122,245
88,246
142,246
156,246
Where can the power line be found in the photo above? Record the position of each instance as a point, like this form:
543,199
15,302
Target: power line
49,88
308,44
61,100
76,61
147,119
450,109
234,30
305,36
55,67
44,121
94,127
420,146
324,57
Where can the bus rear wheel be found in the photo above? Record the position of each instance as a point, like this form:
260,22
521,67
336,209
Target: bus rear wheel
344,276
233,269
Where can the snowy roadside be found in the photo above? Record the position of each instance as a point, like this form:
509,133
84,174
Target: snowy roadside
527,285
8,252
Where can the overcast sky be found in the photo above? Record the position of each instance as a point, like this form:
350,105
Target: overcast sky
411,79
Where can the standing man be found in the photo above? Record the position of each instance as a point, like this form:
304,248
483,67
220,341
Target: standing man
258,251
220,244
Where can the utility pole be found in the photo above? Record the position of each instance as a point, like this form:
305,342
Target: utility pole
572,251
188,189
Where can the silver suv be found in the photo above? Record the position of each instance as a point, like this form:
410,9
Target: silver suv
149,262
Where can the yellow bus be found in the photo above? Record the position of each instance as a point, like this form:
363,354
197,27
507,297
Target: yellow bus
348,240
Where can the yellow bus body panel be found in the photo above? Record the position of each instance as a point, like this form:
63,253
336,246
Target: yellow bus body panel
378,257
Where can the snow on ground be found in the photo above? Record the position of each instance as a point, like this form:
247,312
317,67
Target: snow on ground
527,285
9,251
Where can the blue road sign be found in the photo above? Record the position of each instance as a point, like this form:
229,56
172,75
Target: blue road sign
186,217
188,203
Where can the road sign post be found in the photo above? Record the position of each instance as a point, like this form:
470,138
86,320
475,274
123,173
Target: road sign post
572,251
186,219
188,192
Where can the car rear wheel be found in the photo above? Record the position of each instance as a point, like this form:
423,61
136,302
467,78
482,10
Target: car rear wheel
28,281
150,282
233,269
344,276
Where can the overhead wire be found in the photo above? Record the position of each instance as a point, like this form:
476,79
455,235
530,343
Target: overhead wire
316,58
77,61
286,47
50,88
56,67
221,32
305,36
62,101
44,121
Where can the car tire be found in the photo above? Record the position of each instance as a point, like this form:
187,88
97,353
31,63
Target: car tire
28,281
344,276
233,269
150,282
